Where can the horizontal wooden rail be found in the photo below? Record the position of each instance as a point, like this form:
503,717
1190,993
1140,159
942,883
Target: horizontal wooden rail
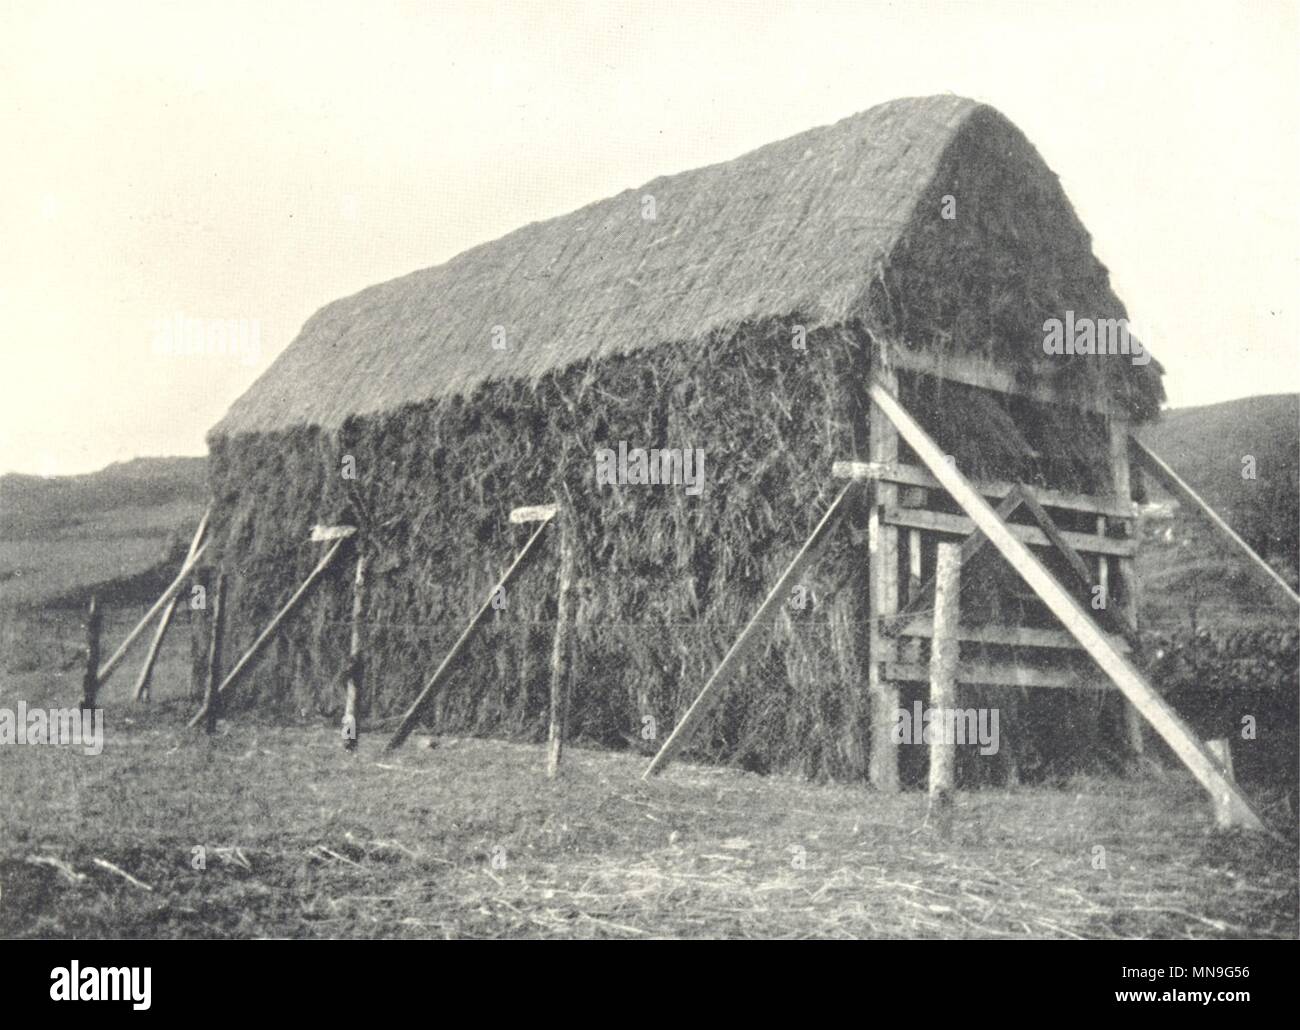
913,475
1007,636
1032,379
960,525
1004,674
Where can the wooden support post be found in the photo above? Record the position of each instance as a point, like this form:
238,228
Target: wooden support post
356,657
212,697
290,606
90,680
1121,474
1170,480
560,665
913,563
1091,638
749,637
944,653
142,684
1222,750
882,587
412,715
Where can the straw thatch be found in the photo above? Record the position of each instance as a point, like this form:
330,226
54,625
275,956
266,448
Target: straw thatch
671,332
836,224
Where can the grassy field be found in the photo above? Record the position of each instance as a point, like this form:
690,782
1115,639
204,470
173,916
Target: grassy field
467,839
62,537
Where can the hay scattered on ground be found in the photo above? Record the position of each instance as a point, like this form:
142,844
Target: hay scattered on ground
302,840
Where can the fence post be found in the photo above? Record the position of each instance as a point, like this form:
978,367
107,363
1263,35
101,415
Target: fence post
944,653
559,657
90,682
356,659
212,698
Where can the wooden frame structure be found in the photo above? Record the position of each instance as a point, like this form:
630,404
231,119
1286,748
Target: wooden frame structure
1101,561
1105,635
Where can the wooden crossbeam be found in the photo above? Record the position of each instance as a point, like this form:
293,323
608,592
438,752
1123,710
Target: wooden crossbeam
1035,381
534,513
748,639
958,525
1203,764
1003,674
1171,481
444,670
911,475
1007,636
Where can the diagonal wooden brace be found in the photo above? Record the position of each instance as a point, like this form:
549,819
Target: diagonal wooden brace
711,693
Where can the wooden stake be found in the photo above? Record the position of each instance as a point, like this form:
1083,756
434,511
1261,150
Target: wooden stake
944,653
356,660
90,681
913,563
412,715
212,697
1204,766
560,666
1121,472
1222,750
749,637
882,589
142,684
290,606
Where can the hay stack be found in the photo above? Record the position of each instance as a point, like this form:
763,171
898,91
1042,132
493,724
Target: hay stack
676,332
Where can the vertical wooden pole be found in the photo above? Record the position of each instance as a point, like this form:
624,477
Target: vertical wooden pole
356,656
944,653
560,677
1223,808
90,681
142,684
1103,567
913,563
212,697
909,648
882,596
1122,486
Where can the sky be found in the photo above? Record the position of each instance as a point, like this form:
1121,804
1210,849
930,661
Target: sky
227,168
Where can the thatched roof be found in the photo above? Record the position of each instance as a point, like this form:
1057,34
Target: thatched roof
807,227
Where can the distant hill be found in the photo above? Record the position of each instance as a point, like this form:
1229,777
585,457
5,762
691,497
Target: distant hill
110,530
1206,446
1189,579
